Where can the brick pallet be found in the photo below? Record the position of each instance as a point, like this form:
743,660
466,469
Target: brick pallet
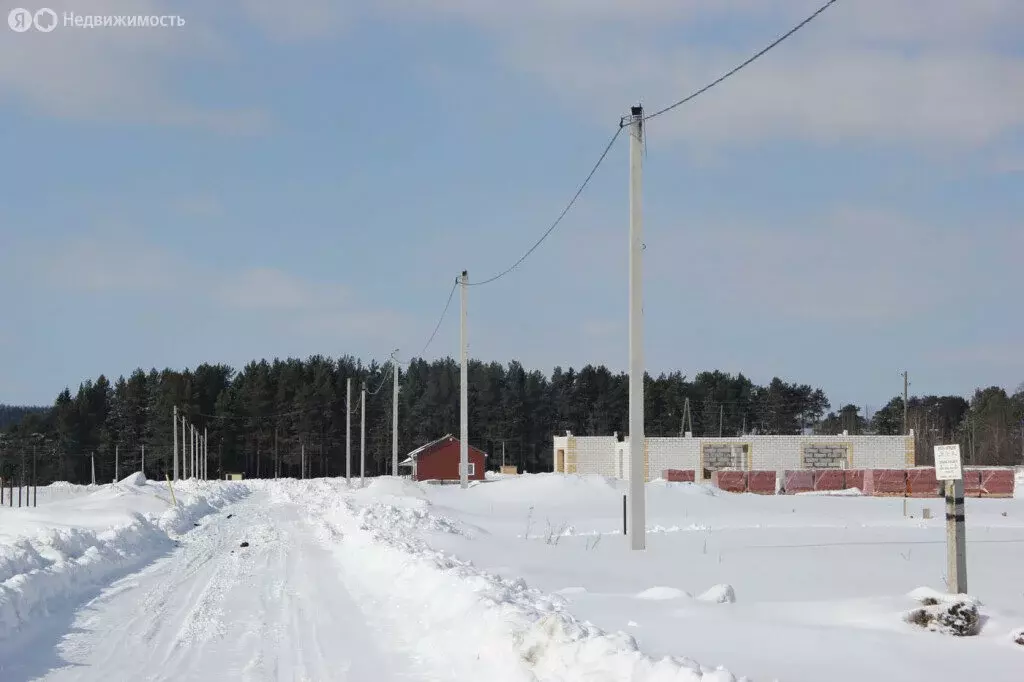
854,478
799,481
996,482
829,479
921,482
679,475
885,482
761,482
730,480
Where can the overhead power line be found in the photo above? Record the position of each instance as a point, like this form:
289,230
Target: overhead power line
437,327
387,375
744,64
558,220
604,154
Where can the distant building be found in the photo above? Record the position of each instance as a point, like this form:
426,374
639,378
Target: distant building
438,460
609,456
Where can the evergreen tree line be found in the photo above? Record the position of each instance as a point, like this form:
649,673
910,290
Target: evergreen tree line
11,415
269,411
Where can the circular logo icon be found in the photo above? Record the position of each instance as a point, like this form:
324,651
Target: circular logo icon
19,19
45,20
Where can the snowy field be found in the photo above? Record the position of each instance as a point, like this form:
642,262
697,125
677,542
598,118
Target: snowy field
516,579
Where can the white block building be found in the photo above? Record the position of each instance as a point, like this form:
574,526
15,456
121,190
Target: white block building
607,456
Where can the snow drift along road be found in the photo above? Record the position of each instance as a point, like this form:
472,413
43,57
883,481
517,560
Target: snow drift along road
53,564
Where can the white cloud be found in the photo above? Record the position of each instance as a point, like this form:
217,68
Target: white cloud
941,73
850,266
994,354
299,21
109,264
273,289
200,206
890,70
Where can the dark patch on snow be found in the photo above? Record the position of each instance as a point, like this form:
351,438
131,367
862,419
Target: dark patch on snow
957,617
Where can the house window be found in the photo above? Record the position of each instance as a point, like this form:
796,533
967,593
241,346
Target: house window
472,469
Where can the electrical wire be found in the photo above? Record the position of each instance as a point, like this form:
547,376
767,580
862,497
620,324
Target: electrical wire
572,203
437,327
744,64
558,220
387,375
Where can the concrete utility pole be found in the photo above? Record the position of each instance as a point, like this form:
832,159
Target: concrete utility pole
348,430
956,537
906,390
464,390
117,463
206,454
394,415
142,462
303,460
277,464
637,468
175,429
92,463
362,441
183,462
184,459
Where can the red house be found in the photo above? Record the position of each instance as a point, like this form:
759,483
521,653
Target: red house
438,460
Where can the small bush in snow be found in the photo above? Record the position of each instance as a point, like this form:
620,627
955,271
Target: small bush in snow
1018,636
956,615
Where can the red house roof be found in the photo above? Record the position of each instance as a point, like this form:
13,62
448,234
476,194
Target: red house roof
433,445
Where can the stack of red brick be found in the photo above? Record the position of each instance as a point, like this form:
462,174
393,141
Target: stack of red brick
679,475
914,482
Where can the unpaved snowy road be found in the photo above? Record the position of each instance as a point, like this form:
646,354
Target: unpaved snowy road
276,610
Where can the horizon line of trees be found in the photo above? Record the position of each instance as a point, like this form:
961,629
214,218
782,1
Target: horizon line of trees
274,409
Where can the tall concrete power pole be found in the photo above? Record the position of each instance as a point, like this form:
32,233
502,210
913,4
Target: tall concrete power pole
394,414
906,391
637,470
464,390
362,440
175,429
348,430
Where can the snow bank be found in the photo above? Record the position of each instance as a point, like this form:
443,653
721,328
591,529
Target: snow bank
846,492
136,479
544,486
503,619
949,614
396,491
719,594
61,564
662,593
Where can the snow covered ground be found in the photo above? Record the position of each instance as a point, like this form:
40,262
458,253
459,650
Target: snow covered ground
820,582
516,579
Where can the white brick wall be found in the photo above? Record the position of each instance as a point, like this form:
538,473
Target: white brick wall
587,454
605,456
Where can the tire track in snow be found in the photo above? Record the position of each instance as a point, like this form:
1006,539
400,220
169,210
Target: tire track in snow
276,610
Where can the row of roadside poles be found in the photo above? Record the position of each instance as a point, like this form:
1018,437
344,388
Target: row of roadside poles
194,452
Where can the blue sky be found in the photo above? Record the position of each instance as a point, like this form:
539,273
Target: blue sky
275,180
